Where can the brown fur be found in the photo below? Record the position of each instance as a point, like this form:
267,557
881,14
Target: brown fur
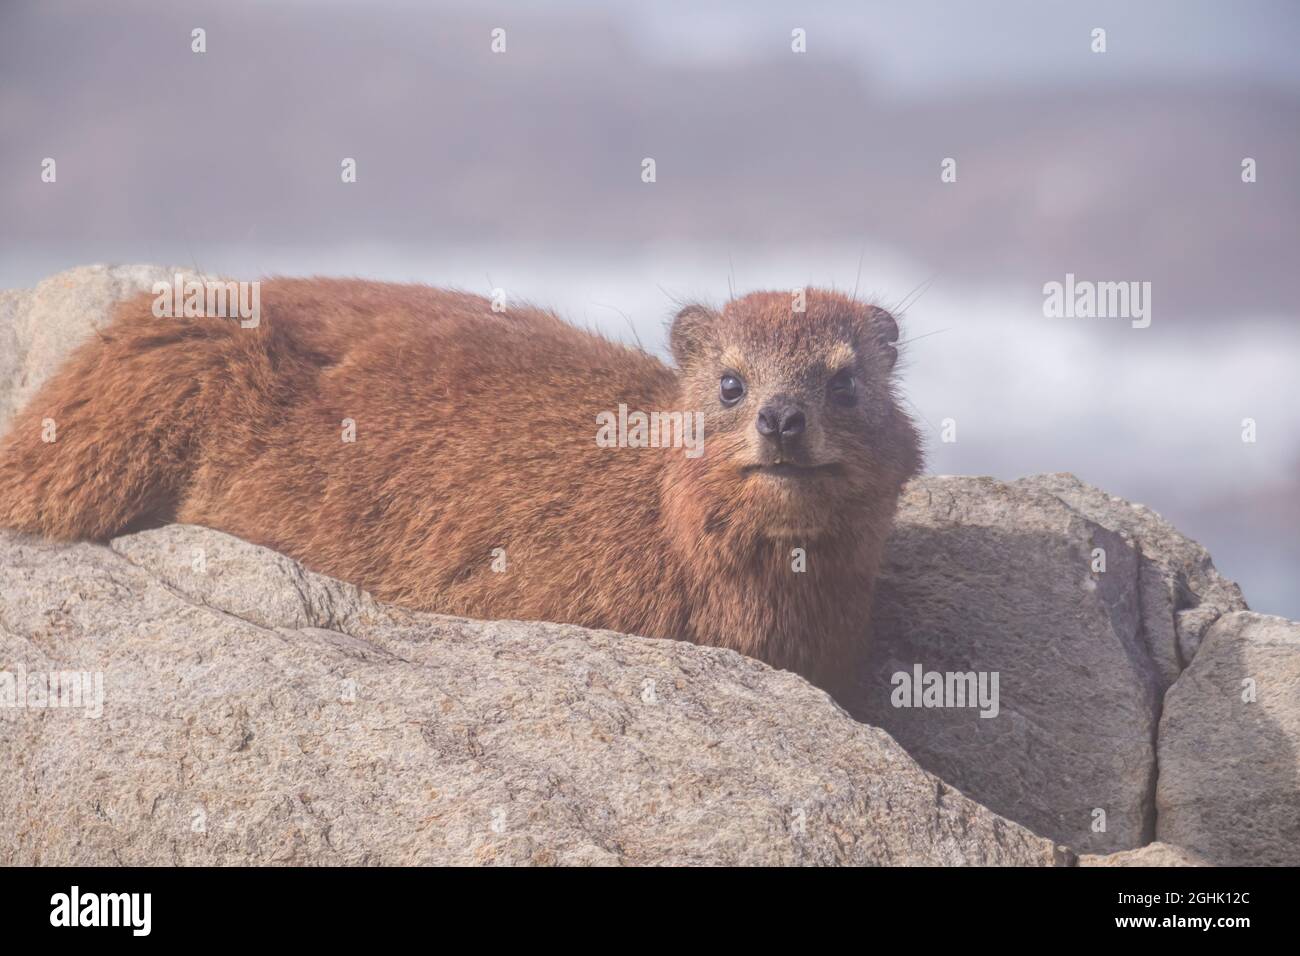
475,431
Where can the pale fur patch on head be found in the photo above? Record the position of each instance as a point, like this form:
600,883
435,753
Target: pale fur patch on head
840,355
732,358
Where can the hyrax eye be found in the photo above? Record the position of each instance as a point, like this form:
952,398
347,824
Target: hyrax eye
731,389
843,387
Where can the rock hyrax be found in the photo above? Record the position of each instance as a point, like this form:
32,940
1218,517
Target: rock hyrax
452,458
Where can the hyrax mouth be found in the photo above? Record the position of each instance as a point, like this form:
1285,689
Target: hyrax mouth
787,469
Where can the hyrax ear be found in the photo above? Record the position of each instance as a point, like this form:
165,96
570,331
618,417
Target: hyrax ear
879,333
692,330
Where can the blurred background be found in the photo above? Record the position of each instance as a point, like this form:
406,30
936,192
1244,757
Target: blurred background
522,170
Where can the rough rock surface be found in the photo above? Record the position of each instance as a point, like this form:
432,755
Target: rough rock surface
1181,594
1153,854
1230,746
254,712
997,577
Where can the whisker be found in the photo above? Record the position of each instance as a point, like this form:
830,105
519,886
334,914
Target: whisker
626,318
917,338
919,412
914,296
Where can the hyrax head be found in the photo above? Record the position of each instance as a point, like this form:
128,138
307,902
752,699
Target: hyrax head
800,422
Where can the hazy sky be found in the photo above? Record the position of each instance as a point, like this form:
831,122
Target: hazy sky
929,46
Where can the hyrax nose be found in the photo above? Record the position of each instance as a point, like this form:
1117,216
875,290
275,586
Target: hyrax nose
781,421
